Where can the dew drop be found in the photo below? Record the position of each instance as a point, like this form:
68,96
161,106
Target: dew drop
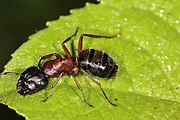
142,43
169,67
67,23
20,53
166,57
125,19
154,55
157,37
157,109
141,75
162,61
119,25
102,2
139,48
48,23
134,26
177,21
161,13
118,35
18,57
110,28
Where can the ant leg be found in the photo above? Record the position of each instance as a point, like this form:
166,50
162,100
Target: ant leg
92,36
52,87
48,56
98,83
78,85
66,40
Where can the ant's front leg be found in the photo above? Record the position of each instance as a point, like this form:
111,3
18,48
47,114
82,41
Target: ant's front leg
52,87
48,56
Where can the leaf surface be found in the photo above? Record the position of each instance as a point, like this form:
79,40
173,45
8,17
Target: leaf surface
147,53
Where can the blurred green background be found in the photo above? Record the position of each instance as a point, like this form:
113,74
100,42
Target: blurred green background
21,18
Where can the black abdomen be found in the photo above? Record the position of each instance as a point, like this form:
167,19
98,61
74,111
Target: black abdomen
98,63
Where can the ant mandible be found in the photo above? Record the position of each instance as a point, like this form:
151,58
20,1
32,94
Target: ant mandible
94,61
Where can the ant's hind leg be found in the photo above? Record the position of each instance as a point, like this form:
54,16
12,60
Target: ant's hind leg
52,87
98,83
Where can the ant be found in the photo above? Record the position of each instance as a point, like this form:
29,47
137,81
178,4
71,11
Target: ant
94,61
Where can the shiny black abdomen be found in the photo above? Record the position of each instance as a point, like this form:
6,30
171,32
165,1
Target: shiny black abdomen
98,63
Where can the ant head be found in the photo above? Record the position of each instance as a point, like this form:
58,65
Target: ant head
30,81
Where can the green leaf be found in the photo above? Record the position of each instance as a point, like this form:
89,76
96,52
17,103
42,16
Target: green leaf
147,53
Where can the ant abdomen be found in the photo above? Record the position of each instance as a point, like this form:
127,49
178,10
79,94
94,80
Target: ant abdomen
98,63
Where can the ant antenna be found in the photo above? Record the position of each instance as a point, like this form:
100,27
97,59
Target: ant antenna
9,73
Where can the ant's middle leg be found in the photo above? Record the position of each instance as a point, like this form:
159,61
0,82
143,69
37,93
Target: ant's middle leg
48,56
66,40
92,36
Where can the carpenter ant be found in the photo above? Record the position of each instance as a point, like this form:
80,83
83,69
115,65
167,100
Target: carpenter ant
30,81
98,63
94,61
